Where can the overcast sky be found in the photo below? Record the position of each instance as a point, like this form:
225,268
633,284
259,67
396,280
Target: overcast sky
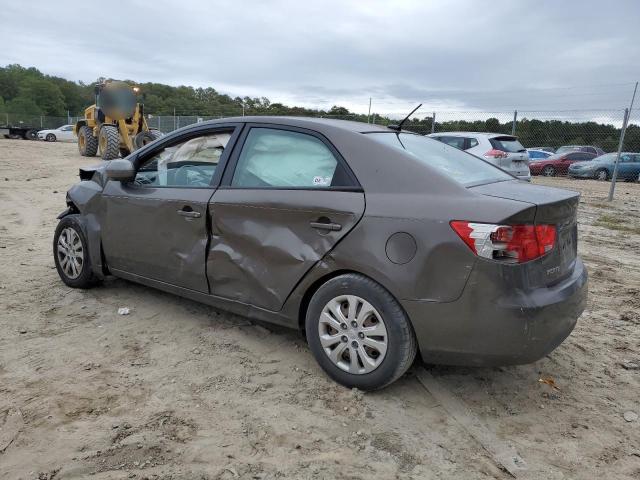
462,55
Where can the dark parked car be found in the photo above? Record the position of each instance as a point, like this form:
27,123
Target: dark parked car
580,148
375,243
601,168
558,164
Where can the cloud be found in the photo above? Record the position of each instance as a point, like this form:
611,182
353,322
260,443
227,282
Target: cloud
463,55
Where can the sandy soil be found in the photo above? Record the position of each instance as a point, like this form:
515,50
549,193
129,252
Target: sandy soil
178,390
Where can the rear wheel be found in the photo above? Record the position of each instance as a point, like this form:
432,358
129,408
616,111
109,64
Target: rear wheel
50,137
549,171
359,333
109,140
87,143
71,254
602,174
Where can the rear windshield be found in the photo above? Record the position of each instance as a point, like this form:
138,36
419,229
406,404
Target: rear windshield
507,144
462,167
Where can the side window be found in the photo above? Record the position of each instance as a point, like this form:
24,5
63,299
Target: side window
286,159
575,156
191,163
472,143
456,142
586,156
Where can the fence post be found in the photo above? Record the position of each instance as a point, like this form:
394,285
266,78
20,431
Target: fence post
174,118
433,123
513,125
620,145
40,121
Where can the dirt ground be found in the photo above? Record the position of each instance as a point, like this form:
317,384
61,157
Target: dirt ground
179,390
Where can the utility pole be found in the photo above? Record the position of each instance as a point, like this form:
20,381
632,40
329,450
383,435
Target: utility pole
243,109
369,114
433,123
513,125
627,114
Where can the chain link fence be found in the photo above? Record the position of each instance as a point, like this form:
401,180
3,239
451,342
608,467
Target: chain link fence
547,130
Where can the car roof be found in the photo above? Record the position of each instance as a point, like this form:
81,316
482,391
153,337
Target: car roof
475,134
308,122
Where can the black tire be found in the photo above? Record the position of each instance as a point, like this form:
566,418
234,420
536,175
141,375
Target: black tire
549,171
86,277
50,137
144,138
109,141
87,143
601,174
401,341
31,134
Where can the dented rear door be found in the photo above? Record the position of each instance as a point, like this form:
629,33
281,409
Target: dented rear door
266,231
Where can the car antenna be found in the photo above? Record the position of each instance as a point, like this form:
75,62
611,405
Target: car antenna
399,126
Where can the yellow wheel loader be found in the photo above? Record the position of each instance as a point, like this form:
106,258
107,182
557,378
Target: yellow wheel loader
115,125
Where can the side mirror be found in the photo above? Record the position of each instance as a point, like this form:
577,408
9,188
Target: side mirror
121,170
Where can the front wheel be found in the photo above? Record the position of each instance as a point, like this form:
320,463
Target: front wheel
50,137
71,254
109,141
549,171
359,333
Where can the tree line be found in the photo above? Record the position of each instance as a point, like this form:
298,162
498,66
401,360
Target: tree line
26,90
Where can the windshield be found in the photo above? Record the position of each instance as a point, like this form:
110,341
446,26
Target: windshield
462,167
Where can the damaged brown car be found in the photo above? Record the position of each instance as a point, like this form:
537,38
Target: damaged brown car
375,242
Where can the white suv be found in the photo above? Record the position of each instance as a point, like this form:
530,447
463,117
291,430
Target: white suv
504,151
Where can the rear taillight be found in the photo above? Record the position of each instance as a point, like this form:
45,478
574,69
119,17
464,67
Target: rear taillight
509,243
496,154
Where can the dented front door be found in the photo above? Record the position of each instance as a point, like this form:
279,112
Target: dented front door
264,241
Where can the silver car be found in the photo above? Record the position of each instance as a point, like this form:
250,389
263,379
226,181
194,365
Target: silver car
504,151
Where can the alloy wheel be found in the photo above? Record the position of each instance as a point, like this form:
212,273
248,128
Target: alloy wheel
353,334
70,253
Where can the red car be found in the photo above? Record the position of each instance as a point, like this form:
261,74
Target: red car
558,164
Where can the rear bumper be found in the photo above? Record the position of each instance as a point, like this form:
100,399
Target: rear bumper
493,325
526,178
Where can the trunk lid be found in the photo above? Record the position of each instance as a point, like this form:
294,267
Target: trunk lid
517,160
553,206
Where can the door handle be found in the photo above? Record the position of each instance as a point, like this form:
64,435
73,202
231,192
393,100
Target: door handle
334,227
189,213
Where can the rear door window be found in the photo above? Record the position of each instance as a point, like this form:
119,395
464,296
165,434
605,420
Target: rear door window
287,159
471,142
457,142
507,144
